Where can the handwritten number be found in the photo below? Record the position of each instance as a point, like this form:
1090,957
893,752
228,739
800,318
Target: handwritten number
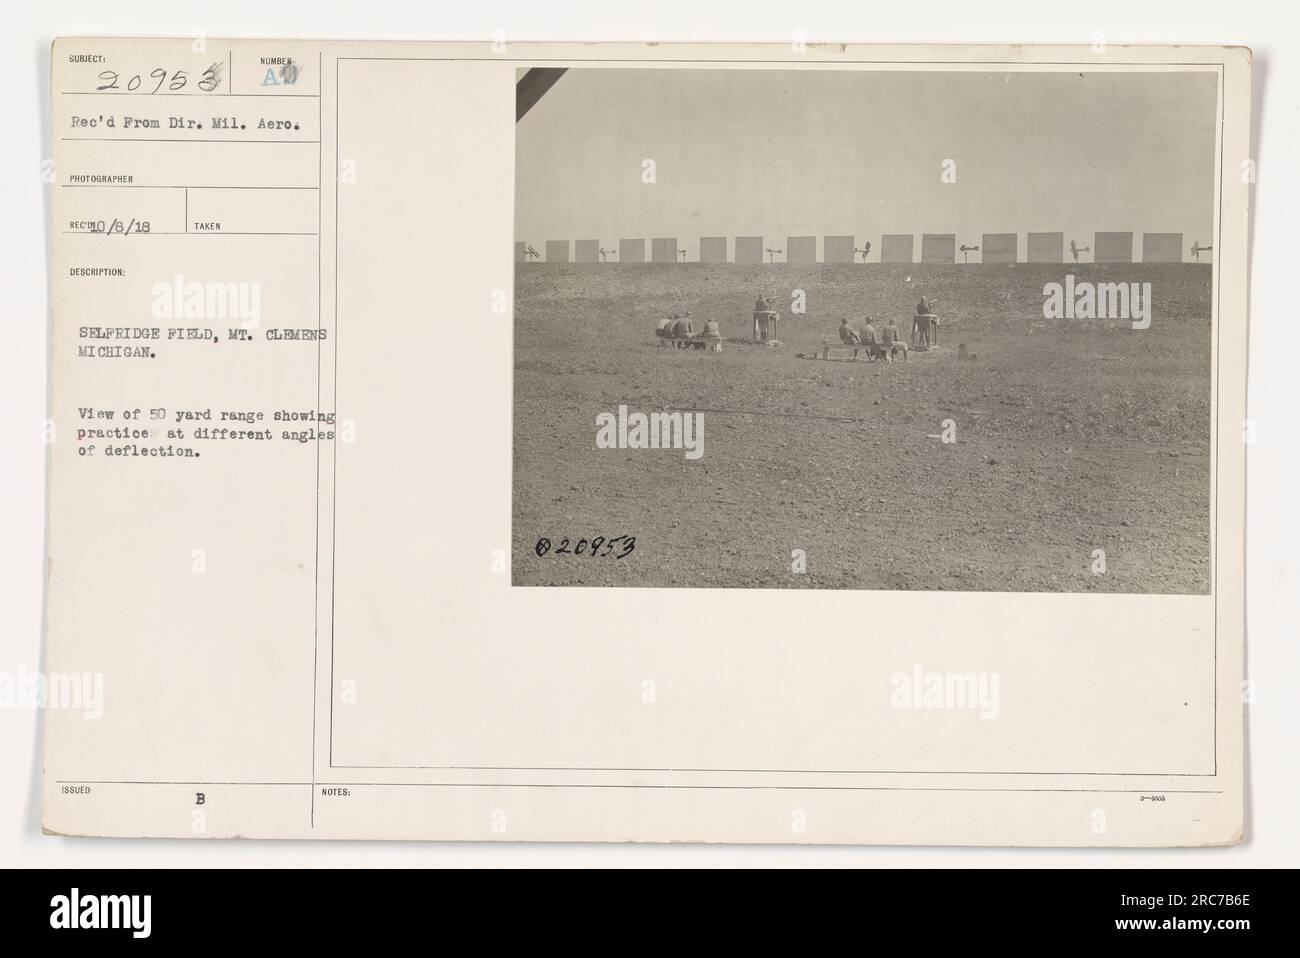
599,546
179,80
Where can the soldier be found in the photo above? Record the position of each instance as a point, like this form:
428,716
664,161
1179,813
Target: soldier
847,335
683,329
868,332
922,324
765,318
888,337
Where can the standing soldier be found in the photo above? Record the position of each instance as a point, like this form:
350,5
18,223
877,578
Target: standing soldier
924,322
765,318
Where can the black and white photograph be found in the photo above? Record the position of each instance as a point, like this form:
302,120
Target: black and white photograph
879,328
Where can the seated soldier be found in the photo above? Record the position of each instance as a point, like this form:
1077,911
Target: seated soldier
847,335
868,332
889,341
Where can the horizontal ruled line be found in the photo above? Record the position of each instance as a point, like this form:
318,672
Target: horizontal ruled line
141,139
747,788
197,96
152,186
182,233
753,771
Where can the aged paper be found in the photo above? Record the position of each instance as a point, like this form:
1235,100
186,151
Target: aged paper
618,442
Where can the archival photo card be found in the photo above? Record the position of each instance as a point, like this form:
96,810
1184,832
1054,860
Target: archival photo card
892,396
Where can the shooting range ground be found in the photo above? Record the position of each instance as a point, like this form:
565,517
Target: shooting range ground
1071,435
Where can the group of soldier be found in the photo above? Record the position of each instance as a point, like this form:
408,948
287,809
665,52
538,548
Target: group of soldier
869,336
681,327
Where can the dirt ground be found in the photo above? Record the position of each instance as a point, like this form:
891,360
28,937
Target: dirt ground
1072,436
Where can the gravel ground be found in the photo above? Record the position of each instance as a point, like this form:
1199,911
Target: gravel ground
1071,436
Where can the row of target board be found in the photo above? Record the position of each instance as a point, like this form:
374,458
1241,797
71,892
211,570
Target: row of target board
894,248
